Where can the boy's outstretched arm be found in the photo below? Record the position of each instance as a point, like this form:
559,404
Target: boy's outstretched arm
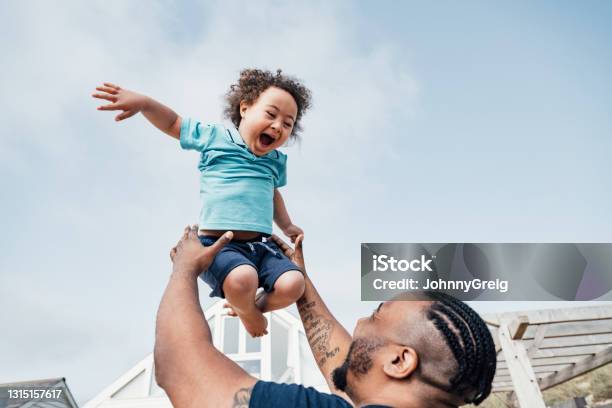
282,219
187,365
328,340
161,116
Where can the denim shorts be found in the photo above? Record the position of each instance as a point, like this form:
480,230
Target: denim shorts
263,255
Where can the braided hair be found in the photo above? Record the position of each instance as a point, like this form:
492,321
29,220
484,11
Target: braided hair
472,347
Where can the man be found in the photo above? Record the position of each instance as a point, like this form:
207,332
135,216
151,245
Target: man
428,353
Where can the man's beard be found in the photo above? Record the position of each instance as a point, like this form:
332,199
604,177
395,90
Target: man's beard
339,376
358,361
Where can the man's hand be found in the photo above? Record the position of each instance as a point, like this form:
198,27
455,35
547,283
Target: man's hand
191,257
296,255
127,101
292,232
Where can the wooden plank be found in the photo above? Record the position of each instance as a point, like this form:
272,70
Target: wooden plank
518,326
523,378
570,341
571,328
505,377
564,351
547,361
582,367
574,314
502,384
508,377
493,331
490,319
540,369
568,351
542,374
537,340
503,389
555,361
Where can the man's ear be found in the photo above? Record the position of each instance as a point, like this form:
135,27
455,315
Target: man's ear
244,105
401,362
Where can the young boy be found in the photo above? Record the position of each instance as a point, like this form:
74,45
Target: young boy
241,171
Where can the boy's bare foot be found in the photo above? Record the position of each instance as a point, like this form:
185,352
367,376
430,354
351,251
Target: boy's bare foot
254,322
230,309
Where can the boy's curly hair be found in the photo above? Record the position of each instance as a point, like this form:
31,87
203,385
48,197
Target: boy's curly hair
253,82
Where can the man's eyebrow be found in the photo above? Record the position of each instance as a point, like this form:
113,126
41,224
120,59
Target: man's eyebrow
276,107
379,306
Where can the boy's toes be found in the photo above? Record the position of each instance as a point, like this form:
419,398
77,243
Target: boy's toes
260,334
256,325
230,310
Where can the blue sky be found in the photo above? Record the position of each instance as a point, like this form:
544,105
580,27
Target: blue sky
438,122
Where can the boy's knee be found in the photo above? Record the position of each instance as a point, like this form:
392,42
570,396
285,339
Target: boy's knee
290,284
241,279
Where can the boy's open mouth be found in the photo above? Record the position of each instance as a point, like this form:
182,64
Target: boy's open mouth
266,139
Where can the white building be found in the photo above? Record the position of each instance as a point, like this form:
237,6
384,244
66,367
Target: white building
281,356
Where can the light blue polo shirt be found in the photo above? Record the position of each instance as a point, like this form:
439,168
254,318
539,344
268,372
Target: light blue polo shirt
236,187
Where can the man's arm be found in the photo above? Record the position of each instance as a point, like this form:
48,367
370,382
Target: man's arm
187,365
328,340
161,116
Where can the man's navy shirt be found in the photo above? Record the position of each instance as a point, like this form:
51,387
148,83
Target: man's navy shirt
268,394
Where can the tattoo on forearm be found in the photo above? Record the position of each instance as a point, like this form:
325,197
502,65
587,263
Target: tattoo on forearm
318,331
242,397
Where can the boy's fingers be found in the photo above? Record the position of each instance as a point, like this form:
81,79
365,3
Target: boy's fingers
117,88
108,97
282,245
125,115
106,89
278,241
298,245
109,107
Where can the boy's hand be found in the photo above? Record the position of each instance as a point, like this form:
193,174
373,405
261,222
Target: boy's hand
122,99
292,231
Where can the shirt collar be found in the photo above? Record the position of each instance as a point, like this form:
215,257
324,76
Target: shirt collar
235,135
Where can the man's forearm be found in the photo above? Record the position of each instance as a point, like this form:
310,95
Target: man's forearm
328,340
182,331
187,365
162,117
